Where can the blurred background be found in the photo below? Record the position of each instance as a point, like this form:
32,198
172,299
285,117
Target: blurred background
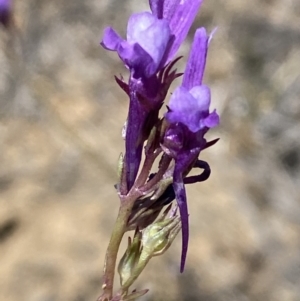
61,115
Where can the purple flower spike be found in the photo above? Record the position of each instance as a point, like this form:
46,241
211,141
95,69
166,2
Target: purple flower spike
5,12
147,40
151,44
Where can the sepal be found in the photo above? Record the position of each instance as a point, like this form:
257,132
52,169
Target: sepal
121,185
131,257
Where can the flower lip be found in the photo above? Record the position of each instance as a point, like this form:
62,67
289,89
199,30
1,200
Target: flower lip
150,33
192,108
147,40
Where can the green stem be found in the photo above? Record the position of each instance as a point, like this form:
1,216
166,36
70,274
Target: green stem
127,203
114,244
112,252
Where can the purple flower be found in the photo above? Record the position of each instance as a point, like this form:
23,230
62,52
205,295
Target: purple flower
151,44
189,119
147,41
189,104
153,39
5,11
191,108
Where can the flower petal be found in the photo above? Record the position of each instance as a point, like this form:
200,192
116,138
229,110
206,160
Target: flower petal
181,100
212,120
190,107
202,96
111,39
194,70
163,8
137,59
148,38
150,33
181,21
183,209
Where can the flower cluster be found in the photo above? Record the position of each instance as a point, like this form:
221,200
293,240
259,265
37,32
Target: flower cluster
176,136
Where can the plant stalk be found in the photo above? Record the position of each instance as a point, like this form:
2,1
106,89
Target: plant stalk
113,247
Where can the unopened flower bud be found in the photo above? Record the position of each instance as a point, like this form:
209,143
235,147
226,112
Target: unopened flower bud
130,258
158,237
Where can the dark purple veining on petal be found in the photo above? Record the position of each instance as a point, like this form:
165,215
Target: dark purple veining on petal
181,21
195,67
164,8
